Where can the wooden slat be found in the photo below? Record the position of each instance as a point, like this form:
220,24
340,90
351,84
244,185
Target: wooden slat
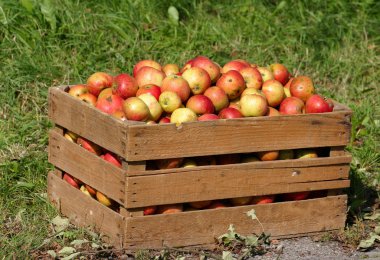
201,227
239,180
309,162
338,151
87,167
85,211
87,121
238,136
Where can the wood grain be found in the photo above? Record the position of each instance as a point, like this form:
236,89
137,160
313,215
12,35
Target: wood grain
230,181
87,167
240,135
85,211
202,227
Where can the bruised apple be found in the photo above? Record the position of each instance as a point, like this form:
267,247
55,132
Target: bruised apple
110,104
88,98
78,90
105,93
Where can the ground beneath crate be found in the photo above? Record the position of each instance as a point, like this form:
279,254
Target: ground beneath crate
306,248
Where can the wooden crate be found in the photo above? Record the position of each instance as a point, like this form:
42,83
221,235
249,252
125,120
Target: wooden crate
134,187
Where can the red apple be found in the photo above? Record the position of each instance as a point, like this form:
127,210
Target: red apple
164,120
200,104
169,101
105,93
263,199
273,112
229,112
88,98
71,180
181,115
149,75
268,155
178,85
252,77
296,195
274,92
266,73
78,90
228,159
240,201
200,204
135,109
317,104
125,86
302,87
99,81
155,109
112,158
170,69
232,82
90,146
291,106
218,98
199,80
169,163
208,117
216,205
146,63
154,90
110,105
253,105
104,199
170,209
208,65
236,65
280,73
150,210
91,190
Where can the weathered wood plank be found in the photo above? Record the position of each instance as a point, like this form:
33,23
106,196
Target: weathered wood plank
85,211
195,184
202,227
240,135
87,167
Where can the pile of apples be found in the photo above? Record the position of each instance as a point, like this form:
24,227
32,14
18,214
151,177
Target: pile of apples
201,90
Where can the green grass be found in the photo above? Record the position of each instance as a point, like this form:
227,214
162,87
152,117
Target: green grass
55,42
